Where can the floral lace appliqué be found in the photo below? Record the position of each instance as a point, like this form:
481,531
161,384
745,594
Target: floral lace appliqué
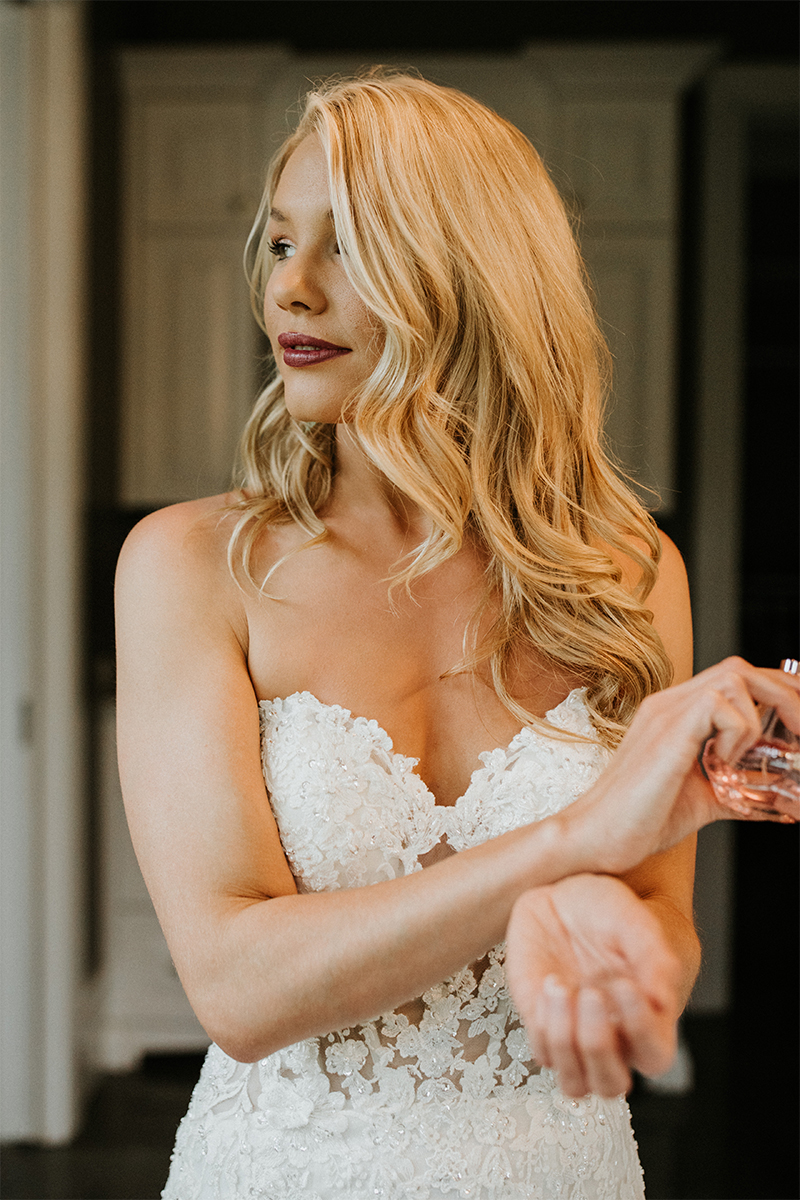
440,1098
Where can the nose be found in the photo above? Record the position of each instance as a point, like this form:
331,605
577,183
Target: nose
295,285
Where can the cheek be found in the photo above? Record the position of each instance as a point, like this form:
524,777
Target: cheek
370,332
356,316
268,317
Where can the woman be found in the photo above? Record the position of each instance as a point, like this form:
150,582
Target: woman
430,557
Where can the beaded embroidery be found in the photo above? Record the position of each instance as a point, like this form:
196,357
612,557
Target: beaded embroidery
442,1098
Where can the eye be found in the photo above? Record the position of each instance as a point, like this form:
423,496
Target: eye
281,249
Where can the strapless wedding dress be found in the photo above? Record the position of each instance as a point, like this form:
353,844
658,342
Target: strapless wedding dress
446,1101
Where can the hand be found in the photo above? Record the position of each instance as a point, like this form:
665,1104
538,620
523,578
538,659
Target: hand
654,794
595,983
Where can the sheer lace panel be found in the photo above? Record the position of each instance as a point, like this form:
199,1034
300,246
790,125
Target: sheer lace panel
440,1098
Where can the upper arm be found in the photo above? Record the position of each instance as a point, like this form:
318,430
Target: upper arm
672,616
188,738
670,876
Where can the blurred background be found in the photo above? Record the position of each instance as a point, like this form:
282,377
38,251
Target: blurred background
133,140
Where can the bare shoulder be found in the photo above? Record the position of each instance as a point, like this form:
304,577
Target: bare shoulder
668,600
671,567
184,542
671,571
671,608
192,534
671,586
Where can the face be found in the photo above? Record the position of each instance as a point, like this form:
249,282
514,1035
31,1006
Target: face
324,338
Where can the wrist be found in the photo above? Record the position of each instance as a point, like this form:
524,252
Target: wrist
575,842
591,839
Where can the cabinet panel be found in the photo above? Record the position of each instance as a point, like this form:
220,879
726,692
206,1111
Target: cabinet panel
190,369
196,162
634,279
621,159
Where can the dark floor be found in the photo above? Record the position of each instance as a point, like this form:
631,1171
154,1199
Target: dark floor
123,1150
693,1147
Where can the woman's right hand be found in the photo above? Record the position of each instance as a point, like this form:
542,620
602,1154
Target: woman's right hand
595,982
654,793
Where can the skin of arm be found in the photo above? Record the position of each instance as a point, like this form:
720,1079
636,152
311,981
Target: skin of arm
262,966
666,881
600,968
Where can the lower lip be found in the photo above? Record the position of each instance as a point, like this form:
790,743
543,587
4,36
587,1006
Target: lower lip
308,358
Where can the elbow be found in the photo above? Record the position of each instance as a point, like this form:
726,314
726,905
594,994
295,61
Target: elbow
238,988
240,1042
238,1047
238,1033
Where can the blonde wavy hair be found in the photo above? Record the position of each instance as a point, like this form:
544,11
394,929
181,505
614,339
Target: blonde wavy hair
485,407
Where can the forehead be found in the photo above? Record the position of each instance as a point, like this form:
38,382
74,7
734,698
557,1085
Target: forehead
303,187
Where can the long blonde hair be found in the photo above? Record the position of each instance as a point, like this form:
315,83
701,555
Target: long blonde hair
485,407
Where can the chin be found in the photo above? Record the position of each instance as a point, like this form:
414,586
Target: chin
325,409
322,414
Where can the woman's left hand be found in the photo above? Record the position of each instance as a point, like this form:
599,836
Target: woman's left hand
653,793
595,982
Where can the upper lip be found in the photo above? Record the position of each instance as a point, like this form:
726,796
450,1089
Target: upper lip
290,340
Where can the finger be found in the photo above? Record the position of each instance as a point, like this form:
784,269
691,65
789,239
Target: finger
736,721
526,955
767,685
788,705
560,1025
776,689
651,965
742,685
536,1028
599,1045
649,1035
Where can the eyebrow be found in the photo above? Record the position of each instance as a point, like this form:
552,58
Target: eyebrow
275,214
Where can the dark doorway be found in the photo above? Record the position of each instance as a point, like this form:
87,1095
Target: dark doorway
767,934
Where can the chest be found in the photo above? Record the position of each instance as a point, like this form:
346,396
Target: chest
352,811
334,629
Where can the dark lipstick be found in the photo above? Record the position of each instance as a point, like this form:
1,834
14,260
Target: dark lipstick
302,350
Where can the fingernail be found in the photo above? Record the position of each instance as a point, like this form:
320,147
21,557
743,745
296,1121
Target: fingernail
553,986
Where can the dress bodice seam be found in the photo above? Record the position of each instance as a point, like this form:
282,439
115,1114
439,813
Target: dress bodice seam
408,762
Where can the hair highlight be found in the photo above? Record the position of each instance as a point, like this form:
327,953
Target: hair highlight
486,405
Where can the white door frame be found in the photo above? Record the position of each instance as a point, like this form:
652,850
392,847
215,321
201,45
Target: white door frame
42,373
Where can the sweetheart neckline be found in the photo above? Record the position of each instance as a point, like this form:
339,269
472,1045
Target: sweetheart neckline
527,731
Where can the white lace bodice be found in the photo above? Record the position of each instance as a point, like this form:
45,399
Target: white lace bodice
440,1098
351,811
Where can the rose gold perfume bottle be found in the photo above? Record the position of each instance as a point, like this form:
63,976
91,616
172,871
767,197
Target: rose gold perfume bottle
765,782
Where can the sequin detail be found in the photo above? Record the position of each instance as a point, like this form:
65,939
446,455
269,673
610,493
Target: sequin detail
442,1098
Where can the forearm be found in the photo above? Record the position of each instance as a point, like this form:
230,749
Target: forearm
294,967
274,971
682,939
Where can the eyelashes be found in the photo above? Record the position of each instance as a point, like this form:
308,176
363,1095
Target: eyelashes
281,249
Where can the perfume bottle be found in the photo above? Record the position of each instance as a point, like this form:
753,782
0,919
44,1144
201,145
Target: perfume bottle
765,782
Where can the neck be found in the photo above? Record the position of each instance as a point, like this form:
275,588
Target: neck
359,484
